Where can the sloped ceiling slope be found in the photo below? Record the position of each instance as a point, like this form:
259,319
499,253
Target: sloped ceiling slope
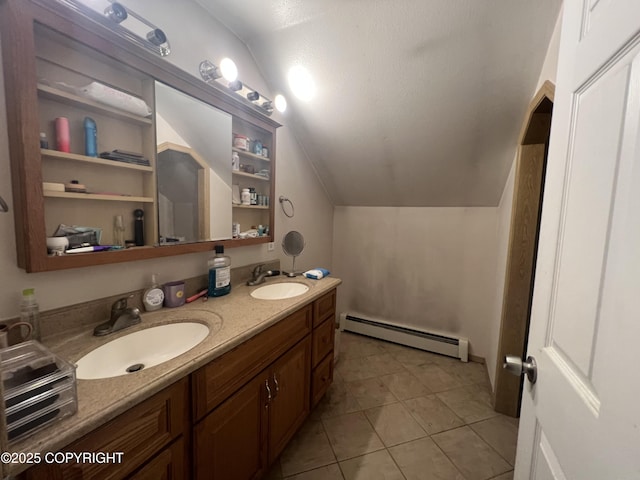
419,102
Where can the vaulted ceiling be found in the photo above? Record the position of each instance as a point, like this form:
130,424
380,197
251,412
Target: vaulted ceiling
419,102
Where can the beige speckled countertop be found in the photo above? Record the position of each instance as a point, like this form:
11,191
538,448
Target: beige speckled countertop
232,319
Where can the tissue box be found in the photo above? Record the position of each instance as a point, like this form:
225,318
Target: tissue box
38,389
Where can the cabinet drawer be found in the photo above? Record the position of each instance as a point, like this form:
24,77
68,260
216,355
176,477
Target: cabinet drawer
216,381
138,433
169,464
324,307
322,341
322,378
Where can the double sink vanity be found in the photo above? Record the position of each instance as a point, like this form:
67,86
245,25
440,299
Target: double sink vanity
225,408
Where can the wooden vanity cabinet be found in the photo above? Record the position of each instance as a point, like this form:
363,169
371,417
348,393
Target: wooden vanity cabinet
246,405
141,434
324,313
240,435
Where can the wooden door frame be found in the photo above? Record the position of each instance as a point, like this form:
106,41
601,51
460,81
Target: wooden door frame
523,244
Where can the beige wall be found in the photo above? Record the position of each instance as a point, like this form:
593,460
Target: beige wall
295,178
548,72
431,268
435,268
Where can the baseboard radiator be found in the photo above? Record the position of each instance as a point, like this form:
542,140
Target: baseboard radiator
449,345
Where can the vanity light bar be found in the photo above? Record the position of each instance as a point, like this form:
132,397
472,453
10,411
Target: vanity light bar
113,17
211,73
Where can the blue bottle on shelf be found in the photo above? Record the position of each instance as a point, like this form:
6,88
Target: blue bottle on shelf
90,137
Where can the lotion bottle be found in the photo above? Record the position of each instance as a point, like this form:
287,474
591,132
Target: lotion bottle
219,273
29,312
153,297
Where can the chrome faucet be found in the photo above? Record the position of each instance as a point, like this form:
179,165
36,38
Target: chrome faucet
122,316
259,275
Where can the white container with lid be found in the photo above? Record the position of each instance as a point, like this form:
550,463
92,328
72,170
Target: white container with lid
245,196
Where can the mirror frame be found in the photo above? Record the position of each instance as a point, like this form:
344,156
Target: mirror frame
17,21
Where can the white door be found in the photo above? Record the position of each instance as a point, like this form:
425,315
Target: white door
581,419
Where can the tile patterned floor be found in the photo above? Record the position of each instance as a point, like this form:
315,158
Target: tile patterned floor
394,412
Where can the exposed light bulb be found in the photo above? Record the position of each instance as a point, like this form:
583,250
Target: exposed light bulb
281,103
301,83
228,69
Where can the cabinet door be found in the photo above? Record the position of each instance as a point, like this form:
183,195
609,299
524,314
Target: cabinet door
169,464
230,443
324,307
289,380
138,433
322,341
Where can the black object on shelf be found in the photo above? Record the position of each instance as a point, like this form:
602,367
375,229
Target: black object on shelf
138,227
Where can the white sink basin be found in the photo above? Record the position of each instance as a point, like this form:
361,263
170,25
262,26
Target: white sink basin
279,291
142,349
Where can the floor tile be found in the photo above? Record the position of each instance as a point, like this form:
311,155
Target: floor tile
393,348
374,466
309,449
423,460
433,415
471,403
394,424
468,373
274,473
353,345
470,454
351,435
337,401
434,377
384,364
501,433
355,368
414,356
370,393
404,385
504,476
330,472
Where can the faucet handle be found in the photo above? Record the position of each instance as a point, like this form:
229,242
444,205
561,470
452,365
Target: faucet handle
121,303
258,270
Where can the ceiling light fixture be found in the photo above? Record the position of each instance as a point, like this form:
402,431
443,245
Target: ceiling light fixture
301,83
229,69
281,103
208,71
226,76
124,22
235,86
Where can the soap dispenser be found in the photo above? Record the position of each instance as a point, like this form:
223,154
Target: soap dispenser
153,297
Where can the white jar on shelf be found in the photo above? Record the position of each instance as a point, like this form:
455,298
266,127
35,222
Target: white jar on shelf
245,196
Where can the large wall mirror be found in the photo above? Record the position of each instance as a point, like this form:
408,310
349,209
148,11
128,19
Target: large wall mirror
176,182
193,168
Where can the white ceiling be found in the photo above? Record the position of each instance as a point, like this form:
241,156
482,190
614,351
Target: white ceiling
419,102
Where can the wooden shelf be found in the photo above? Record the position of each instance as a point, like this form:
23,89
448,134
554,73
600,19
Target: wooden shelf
251,175
96,196
244,153
52,93
254,207
93,160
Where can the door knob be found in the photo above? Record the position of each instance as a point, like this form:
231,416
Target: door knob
514,365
